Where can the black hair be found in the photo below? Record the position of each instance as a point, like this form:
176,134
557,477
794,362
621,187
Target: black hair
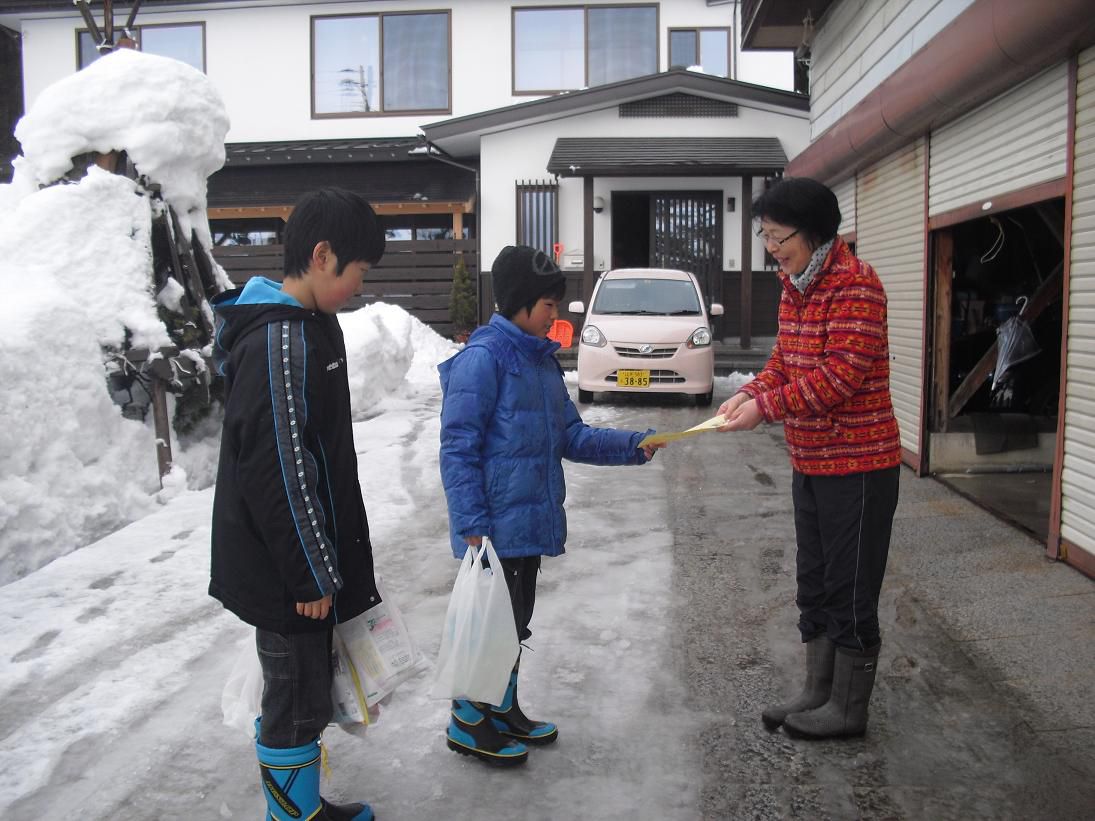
803,204
341,218
555,290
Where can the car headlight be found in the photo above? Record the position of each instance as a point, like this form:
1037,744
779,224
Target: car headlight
701,338
591,335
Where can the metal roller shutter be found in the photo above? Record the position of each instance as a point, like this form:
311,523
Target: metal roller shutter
1012,142
845,197
1078,467
890,236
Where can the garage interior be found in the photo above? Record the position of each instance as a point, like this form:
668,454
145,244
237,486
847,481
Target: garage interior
996,357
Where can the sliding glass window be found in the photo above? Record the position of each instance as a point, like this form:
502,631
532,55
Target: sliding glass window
184,42
567,48
708,49
381,64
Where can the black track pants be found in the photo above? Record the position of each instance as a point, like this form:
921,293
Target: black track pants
843,525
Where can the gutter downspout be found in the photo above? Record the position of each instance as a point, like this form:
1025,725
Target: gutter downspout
438,154
985,50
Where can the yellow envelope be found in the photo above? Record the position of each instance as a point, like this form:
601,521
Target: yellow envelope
659,438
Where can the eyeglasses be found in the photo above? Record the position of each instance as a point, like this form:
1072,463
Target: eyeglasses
767,240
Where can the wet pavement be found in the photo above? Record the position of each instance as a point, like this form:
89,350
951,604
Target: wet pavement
982,707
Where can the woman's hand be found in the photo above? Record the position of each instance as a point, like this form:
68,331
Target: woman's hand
474,541
746,417
314,609
727,408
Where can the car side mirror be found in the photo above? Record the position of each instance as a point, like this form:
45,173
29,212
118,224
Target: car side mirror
579,307
716,309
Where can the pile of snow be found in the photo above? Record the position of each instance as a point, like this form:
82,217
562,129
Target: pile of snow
385,348
76,274
165,114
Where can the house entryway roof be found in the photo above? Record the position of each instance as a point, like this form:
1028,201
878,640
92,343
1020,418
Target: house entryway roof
661,156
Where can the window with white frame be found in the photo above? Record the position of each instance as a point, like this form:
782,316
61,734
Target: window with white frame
381,64
563,48
182,41
708,48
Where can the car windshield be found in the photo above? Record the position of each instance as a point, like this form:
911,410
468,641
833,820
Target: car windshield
658,297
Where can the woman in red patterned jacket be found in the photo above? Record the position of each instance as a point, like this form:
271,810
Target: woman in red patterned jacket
828,382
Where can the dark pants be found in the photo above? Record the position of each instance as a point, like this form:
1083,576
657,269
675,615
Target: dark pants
843,525
296,692
521,581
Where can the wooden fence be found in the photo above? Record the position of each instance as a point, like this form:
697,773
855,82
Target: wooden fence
415,275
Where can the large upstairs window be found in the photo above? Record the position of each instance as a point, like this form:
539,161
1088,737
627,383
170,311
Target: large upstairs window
185,42
708,48
371,64
570,47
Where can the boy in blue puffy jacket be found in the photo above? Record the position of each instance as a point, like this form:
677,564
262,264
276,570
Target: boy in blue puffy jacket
507,422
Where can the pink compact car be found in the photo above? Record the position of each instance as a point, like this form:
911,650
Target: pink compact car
647,331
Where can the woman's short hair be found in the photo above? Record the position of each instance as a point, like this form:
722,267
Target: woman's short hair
801,203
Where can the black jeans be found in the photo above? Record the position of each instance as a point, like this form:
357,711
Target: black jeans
843,525
521,581
296,692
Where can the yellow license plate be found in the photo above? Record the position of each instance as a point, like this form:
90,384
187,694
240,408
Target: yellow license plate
632,379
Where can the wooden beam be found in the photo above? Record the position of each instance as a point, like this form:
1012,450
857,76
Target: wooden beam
943,271
746,311
251,212
383,208
588,280
1048,292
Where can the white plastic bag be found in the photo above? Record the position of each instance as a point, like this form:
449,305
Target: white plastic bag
380,648
348,690
241,699
479,640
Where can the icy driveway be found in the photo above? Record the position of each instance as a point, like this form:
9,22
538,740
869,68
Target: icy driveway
114,658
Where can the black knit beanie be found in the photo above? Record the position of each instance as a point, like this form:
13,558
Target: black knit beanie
521,275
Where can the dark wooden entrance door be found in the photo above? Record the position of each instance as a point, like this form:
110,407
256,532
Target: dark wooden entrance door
686,233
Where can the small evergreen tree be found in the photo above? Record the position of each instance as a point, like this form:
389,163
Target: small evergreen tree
463,307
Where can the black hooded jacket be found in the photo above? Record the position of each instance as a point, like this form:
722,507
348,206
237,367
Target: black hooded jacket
289,523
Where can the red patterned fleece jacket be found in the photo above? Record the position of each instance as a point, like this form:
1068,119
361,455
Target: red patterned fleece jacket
828,379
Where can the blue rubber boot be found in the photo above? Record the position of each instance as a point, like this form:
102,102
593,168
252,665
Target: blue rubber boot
509,720
472,733
290,783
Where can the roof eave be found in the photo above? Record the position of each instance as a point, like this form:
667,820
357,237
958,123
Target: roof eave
598,97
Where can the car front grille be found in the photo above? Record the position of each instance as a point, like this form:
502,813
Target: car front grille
656,378
656,353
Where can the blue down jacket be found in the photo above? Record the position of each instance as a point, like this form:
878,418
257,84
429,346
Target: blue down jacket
506,424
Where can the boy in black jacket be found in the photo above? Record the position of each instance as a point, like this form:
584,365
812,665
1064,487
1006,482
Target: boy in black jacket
290,541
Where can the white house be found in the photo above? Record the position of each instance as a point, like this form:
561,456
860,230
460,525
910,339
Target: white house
960,138
349,93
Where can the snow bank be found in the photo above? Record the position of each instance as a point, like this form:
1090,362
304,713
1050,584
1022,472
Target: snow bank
386,349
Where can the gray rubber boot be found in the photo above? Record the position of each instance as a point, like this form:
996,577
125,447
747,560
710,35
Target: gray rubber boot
819,679
845,714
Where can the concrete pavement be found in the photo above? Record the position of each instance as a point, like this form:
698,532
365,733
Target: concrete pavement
983,704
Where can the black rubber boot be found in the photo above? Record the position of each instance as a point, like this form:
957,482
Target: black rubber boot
819,680
471,732
509,720
845,714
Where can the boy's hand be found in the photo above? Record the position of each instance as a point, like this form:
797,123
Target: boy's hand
314,609
746,417
649,449
474,541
